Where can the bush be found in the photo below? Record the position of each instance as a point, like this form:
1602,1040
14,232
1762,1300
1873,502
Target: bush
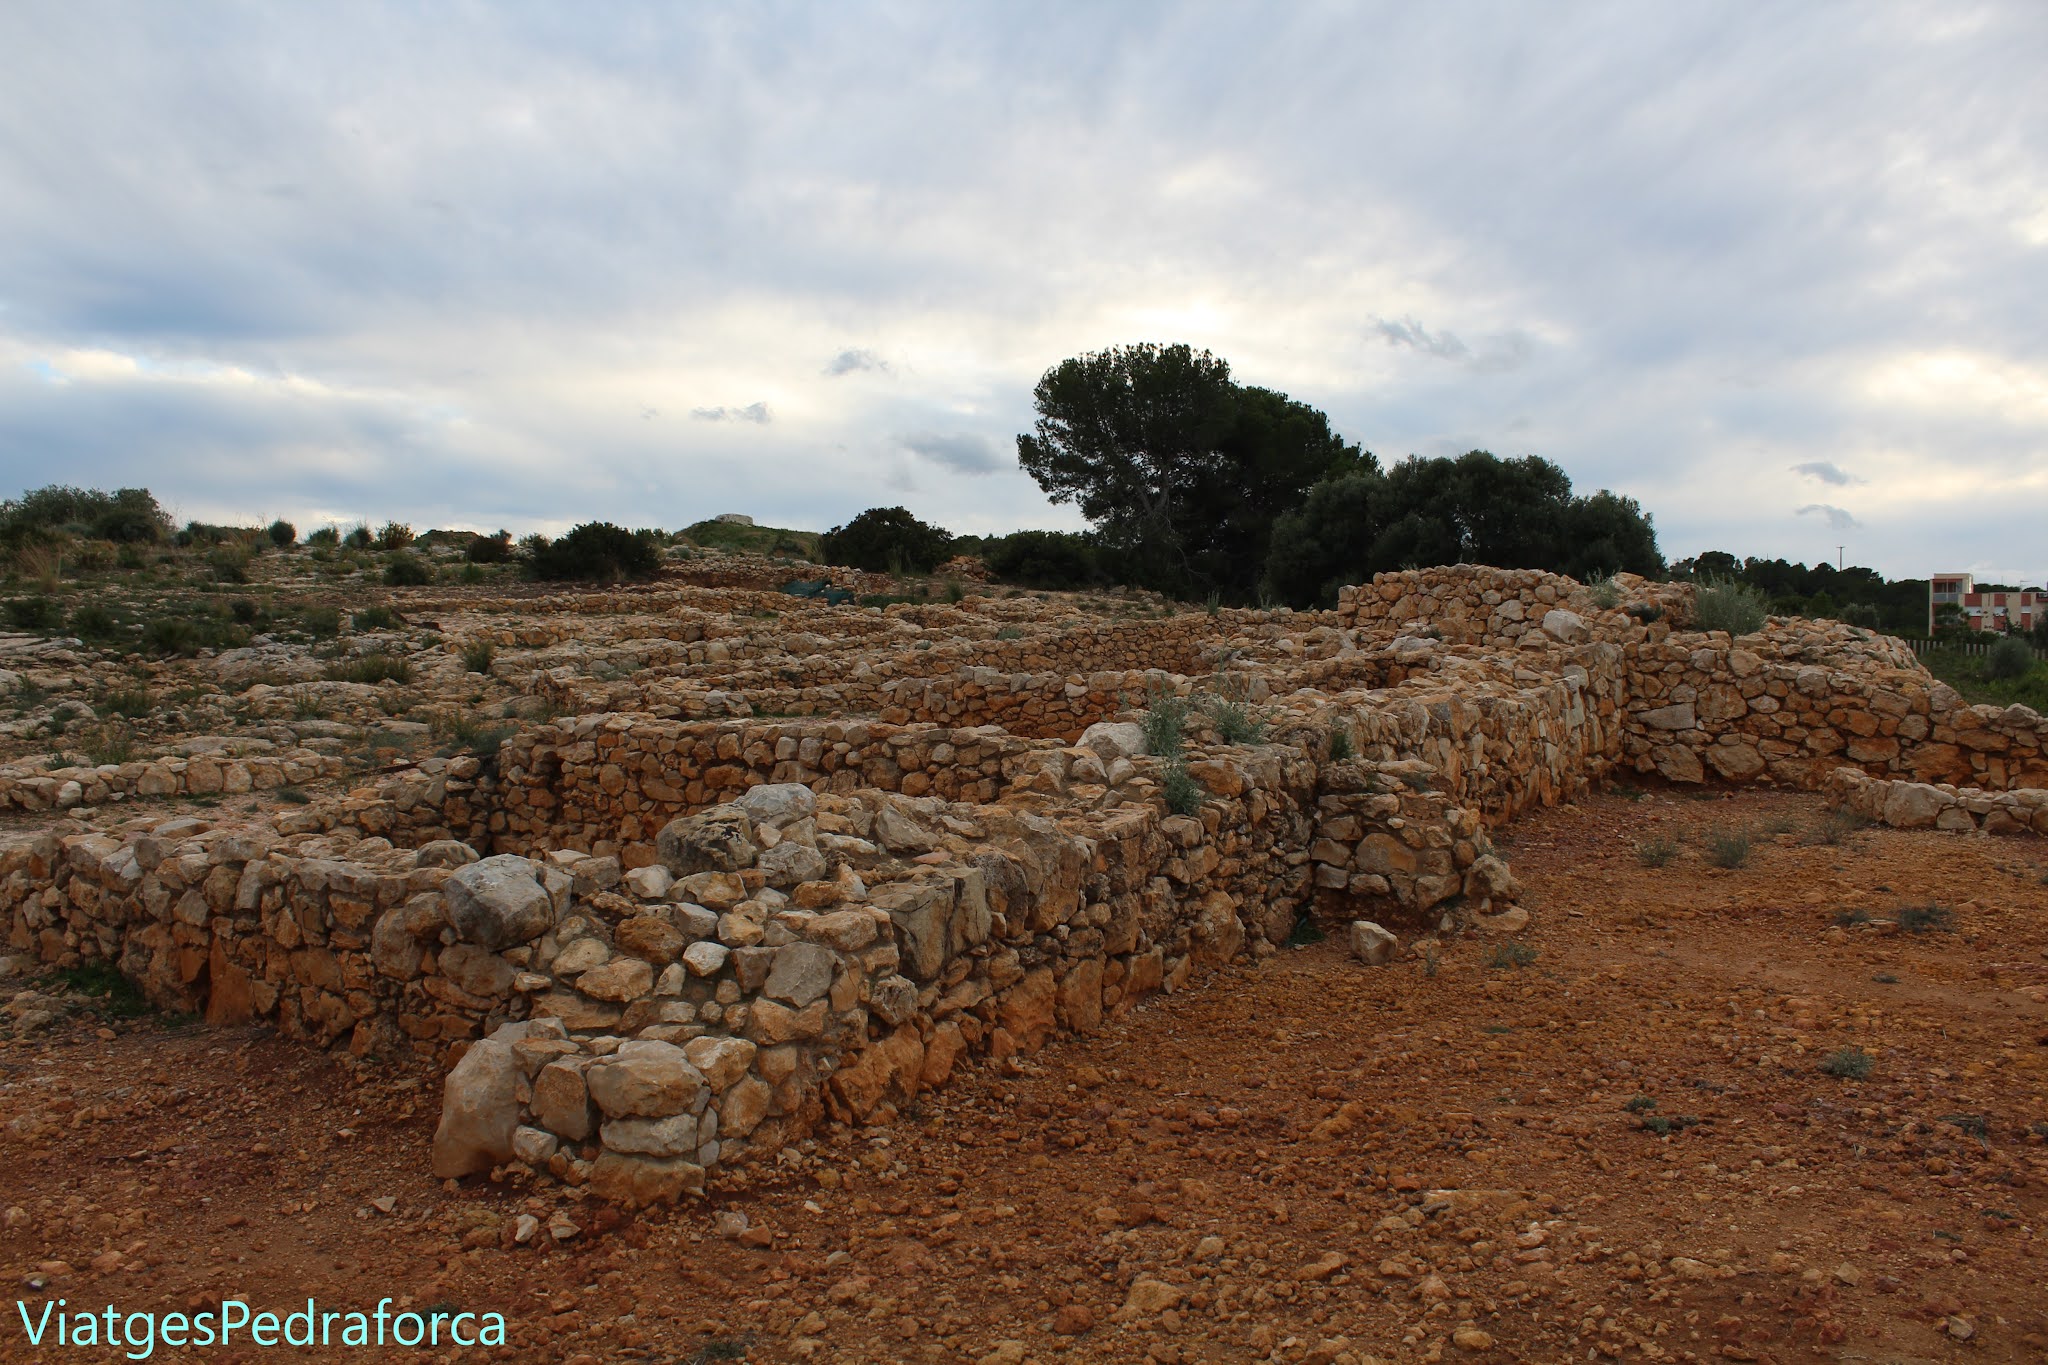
33,613
169,635
322,623
2009,658
395,535
1728,848
282,533
597,551
1512,956
230,564
372,668
132,702
1165,725
125,516
361,538
1044,559
326,538
1340,744
477,656
93,622
1849,1064
1236,723
1724,604
1183,794
1920,919
1657,852
407,570
374,618
886,540
495,549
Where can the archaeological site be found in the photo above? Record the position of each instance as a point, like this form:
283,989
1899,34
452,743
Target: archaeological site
1494,967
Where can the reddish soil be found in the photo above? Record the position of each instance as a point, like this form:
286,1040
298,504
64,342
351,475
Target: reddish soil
1437,1159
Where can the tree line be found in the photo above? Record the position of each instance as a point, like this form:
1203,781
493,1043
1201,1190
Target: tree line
1199,487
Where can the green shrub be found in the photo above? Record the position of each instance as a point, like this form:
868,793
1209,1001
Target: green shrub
1922,919
1010,633
360,537
2009,658
230,563
596,551
1725,604
1341,747
131,702
326,538
372,668
477,656
1512,955
322,623
394,535
125,516
1235,722
1183,794
1606,593
375,618
169,635
1850,1064
493,549
33,613
471,734
282,533
1837,825
94,622
1657,852
101,981
1044,559
110,744
886,540
1165,726
1728,848
407,570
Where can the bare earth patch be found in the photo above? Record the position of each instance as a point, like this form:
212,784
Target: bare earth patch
1625,1147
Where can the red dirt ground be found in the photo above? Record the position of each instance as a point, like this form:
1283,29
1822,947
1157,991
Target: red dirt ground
1306,1160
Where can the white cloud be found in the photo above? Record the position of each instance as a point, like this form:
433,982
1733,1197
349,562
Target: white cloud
444,269
1827,472
756,413
1837,518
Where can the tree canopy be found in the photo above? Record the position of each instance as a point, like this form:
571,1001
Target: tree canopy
1181,470
1477,508
886,540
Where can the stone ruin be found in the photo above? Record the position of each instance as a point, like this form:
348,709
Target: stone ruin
757,875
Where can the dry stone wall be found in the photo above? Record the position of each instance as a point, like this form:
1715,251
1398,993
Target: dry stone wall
199,775
1904,804
652,946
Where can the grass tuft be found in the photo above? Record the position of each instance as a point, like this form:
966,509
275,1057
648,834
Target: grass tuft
1850,1064
1728,848
1922,919
1512,955
1657,852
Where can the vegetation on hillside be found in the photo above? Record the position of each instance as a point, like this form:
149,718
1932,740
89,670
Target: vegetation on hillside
1985,678
760,540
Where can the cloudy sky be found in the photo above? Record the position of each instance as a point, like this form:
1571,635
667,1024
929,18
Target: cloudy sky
1777,271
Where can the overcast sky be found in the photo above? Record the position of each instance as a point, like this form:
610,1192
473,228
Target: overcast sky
1776,270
